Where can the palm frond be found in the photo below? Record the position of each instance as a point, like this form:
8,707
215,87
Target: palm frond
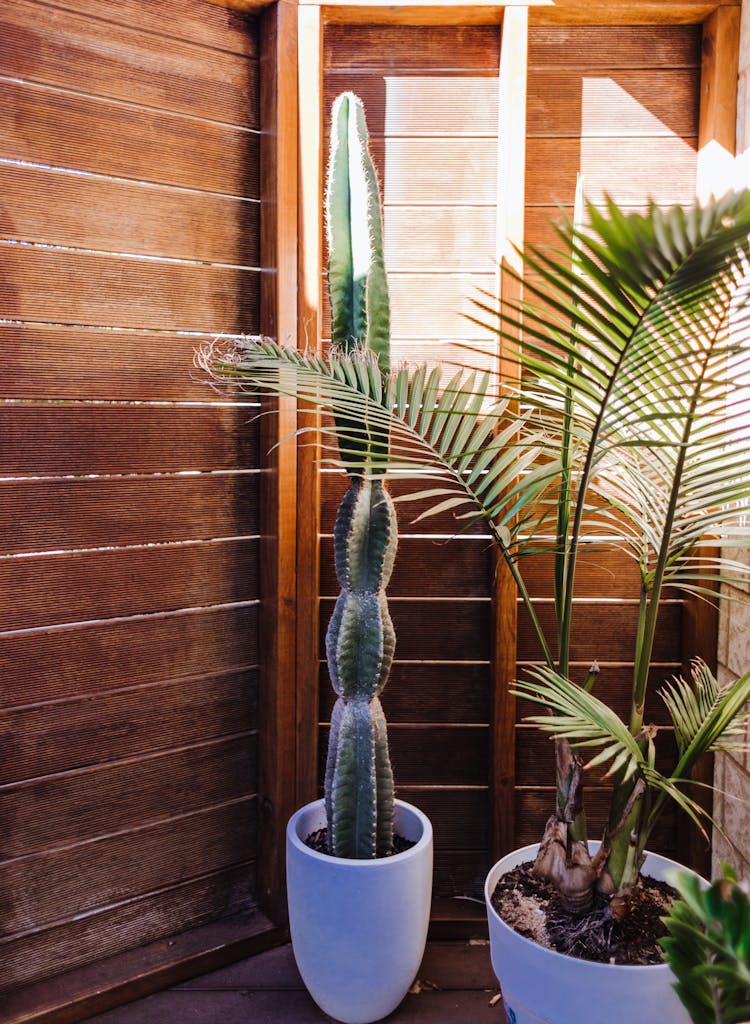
706,716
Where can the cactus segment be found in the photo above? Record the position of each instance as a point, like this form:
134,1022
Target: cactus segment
358,288
360,641
352,828
365,537
384,778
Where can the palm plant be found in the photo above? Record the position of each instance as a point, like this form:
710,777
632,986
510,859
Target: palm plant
624,417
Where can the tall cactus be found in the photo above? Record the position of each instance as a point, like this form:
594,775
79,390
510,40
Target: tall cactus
360,640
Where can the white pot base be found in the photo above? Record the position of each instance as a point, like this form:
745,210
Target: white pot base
541,986
359,927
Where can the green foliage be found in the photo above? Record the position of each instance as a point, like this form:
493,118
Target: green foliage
708,948
625,418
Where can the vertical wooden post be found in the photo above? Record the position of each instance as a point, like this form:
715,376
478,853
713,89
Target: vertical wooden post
718,101
510,216
310,271
278,499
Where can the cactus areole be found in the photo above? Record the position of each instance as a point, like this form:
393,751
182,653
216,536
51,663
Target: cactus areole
360,640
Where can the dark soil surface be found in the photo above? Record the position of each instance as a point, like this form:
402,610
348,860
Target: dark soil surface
532,908
318,841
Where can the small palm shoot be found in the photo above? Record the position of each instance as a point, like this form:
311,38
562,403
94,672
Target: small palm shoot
623,420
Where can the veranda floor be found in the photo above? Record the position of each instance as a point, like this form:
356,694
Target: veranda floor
456,985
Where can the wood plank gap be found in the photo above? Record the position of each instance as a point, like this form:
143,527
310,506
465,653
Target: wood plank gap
111,101
136,257
151,684
132,830
150,755
72,626
145,30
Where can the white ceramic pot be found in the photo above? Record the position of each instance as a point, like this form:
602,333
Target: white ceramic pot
358,927
541,986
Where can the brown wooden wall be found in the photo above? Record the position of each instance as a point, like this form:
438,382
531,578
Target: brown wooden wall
129,235
619,103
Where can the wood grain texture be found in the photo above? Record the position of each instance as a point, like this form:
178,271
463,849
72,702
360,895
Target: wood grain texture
88,212
56,361
135,973
100,935
425,307
419,47
434,755
72,807
626,14
603,631
59,884
416,693
87,55
200,22
100,656
115,291
53,589
60,440
426,568
43,125
277,783
588,47
49,737
84,513
412,101
613,103
423,238
441,629
664,170
309,280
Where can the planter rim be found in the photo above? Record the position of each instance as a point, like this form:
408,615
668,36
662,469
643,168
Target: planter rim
527,853
375,863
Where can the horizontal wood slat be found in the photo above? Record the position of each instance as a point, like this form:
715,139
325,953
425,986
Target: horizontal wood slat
93,937
48,590
461,874
65,809
114,291
614,104
460,817
435,630
63,883
426,568
58,440
433,755
83,513
87,55
453,240
600,46
104,656
42,125
87,212
428,307
59,736
200,22
664,170
408,102
59,361
602,631
440,47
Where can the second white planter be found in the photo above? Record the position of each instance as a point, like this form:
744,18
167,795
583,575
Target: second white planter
541,986
359,927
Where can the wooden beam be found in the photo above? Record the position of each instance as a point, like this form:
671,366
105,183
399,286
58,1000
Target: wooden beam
309,335
121,979
277,783
718,102
509,238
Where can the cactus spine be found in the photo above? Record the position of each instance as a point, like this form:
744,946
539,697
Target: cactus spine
360,640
